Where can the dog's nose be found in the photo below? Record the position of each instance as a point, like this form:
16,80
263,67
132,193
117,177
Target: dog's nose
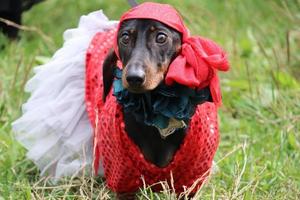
135,77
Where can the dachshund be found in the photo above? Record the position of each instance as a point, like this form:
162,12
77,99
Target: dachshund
146,49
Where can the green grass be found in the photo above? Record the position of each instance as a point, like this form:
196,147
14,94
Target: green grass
259,153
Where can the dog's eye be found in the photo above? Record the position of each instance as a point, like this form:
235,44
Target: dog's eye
125,38
161,38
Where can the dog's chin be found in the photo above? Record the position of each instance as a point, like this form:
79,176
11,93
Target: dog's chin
140,89
137,90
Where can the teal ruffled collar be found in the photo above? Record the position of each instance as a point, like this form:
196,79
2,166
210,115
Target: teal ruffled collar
157,107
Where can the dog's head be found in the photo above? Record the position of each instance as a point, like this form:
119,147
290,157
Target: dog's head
146,48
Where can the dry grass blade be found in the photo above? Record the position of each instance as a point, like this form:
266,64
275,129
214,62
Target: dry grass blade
237,181
13,84
288,53
28,28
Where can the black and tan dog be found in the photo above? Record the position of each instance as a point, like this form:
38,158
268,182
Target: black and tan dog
146,49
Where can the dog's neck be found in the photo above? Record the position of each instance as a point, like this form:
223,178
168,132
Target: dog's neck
157,120
166,107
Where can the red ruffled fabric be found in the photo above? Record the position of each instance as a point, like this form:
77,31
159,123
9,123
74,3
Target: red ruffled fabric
199,60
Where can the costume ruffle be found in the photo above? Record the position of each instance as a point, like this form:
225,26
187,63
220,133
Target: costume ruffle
54,127
157,107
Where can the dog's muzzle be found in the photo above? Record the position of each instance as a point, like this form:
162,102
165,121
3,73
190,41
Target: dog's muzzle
135,75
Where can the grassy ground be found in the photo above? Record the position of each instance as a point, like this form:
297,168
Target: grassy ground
259,153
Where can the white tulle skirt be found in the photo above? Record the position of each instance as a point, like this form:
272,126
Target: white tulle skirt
54,126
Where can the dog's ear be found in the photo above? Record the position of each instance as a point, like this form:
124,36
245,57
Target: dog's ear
108,72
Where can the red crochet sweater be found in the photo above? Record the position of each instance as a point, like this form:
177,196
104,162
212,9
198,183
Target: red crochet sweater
124,164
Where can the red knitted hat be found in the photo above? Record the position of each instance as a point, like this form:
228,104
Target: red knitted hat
197,64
